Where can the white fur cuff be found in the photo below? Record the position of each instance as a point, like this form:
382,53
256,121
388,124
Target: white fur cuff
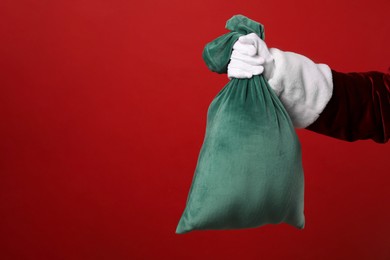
303,87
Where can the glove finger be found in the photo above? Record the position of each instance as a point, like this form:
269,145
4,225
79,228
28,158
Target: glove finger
244,48
257,70
252,60
238,73
242,66
253,70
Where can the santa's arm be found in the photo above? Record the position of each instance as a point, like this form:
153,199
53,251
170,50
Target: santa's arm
347,106
358,109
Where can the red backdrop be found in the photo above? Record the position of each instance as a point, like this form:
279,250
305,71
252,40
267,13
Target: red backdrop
103,109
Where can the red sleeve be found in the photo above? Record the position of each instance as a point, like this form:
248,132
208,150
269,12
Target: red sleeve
359,108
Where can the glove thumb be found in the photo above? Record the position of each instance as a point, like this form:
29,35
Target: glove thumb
249,39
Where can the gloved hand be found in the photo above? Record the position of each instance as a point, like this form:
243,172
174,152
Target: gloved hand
250,57
303,86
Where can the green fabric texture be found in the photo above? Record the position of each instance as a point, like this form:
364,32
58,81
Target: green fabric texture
249,171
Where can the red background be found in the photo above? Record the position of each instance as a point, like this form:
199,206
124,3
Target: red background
103,107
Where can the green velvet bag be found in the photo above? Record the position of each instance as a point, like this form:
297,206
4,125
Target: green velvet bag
249,171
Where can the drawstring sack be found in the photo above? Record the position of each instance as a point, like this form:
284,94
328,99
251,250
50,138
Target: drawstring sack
249,171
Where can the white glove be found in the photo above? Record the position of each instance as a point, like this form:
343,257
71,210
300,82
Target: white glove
303,87
250,57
